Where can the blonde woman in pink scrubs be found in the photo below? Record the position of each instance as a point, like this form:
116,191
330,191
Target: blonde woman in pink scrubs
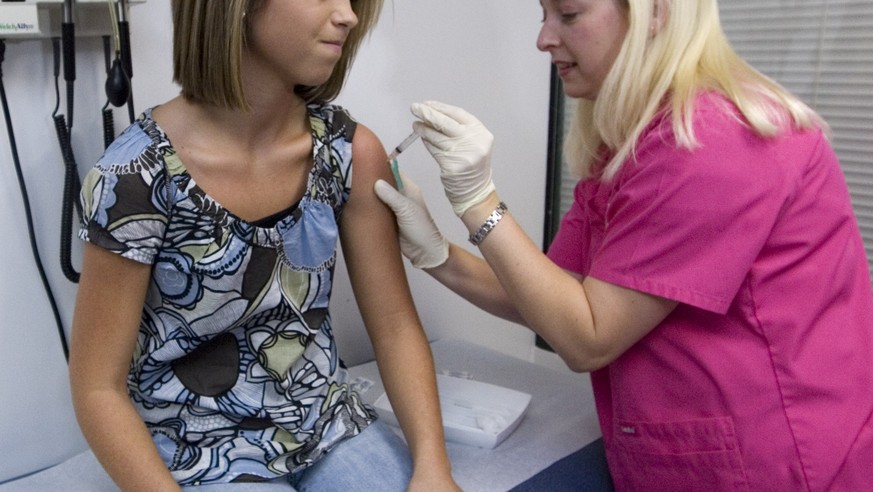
710,274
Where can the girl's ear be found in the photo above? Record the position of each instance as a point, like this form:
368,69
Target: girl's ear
660,14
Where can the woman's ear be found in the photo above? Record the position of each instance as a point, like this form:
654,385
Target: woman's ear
660,14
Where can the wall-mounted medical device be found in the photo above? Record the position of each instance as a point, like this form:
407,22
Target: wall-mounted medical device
33,19
63,21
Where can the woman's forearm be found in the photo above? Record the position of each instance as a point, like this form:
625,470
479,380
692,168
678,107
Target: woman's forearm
588,322
472,278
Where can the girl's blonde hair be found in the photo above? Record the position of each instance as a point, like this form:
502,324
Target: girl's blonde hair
665,71
208,41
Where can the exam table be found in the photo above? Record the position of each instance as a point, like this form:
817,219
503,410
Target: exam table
556,446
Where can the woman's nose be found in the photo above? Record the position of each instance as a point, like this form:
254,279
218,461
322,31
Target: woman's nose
546,38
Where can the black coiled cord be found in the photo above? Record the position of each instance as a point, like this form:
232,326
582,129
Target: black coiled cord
108,114
70,196
72,185
108,126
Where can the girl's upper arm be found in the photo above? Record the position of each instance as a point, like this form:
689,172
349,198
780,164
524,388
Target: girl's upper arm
369,233
109,305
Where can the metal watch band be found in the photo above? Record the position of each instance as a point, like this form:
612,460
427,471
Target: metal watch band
489,224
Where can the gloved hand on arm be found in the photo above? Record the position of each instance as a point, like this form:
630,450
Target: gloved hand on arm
420,239
461,145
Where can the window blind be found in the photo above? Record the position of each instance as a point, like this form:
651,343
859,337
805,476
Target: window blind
822,51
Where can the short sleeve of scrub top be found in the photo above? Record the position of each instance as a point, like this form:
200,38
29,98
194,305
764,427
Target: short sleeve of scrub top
681,224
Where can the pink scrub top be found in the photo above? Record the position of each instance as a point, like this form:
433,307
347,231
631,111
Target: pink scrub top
762,377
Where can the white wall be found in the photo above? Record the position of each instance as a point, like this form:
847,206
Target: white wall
476,54
479,55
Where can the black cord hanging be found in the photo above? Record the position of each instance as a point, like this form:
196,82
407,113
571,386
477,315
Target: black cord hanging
72,182
34,248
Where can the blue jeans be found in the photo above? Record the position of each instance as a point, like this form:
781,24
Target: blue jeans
375,459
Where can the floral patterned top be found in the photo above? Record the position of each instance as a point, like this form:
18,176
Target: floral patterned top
236,372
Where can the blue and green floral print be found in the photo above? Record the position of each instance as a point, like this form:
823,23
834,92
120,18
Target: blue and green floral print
236,371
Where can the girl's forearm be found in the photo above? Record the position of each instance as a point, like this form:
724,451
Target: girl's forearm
406,367
121,442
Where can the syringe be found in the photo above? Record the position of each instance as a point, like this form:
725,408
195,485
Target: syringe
403,146
392,157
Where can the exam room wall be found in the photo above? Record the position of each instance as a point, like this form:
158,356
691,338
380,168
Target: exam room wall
478,55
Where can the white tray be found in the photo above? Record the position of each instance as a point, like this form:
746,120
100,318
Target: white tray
474,413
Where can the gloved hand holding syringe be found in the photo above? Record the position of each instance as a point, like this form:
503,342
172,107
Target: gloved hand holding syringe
462,146
392,158
420,240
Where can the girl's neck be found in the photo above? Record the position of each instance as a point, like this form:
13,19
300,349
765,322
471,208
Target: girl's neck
258,127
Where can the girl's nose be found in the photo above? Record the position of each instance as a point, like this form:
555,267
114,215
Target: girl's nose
344,15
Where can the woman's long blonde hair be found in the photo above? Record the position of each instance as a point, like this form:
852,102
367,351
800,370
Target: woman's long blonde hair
665,71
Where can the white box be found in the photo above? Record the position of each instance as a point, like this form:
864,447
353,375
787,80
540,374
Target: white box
21,20
474,413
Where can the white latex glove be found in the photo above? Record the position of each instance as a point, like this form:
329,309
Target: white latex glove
462,146
420,239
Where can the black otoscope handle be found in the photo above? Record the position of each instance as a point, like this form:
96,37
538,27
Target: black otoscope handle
124,35
69,44
68,36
